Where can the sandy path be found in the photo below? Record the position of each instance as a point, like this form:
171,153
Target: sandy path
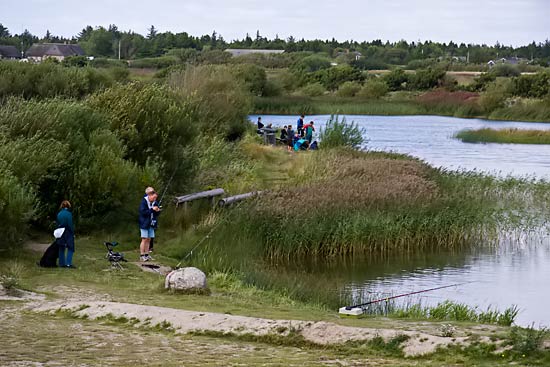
188,321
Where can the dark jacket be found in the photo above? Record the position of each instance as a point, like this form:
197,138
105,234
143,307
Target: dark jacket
65,220
145,214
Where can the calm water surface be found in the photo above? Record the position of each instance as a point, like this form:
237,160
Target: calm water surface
516,272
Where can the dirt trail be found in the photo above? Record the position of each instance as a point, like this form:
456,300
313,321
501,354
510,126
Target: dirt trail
183,322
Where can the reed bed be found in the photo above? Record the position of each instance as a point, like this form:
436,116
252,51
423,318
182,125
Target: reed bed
357,203
505,136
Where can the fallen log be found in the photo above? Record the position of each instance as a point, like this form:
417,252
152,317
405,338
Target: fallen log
233,199
199,195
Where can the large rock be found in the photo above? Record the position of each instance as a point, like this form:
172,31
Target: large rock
186,280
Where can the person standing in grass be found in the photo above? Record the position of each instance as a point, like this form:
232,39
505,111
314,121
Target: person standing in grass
66,242
289,138
309,129
148,212
300,125
283,134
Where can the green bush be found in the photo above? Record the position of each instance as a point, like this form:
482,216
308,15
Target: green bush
78,61
536,86
48,80
424,79
65,150
341,134
311,64
313,90
101,62
395,79
332,78
373,89
369,64
253,77
505,70
16,206
348,89
154,62
156,126
220,101
495,95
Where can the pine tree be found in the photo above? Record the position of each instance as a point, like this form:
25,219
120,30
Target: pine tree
152,32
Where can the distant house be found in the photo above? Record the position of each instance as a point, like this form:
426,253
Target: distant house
356,55
9,53
59,51
240,52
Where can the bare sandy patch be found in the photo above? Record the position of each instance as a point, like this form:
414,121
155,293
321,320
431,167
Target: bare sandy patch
184,322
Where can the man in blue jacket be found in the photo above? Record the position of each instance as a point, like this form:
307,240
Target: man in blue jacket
148,211
300,126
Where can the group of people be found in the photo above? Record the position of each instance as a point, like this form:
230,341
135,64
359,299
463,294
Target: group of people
299,139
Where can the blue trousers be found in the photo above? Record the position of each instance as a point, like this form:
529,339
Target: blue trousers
65,260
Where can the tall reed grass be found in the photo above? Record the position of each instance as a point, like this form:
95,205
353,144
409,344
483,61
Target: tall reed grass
505,136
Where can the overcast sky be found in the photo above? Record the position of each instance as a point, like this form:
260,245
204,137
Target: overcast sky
515,22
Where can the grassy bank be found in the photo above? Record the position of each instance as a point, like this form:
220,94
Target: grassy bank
505,136
455,104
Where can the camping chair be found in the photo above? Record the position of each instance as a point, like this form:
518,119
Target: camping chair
115,258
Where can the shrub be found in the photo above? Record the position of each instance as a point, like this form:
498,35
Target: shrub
341,134
537,86
312,63
78,61
214,57
252,76
369,64
154,62
426,78
373,89
505,70
155,125
313,90
220,97
16,206
48,80
348,89
495,95
395,79
64,150
101,62
332,78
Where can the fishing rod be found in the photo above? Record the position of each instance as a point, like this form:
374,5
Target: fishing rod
402,295
198,244
168,185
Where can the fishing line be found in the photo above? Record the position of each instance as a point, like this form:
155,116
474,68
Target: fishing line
404,295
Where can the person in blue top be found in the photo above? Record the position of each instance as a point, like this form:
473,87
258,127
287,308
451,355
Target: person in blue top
66,242
300,125
148,212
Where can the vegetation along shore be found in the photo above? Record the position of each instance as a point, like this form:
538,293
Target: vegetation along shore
505,136
174,114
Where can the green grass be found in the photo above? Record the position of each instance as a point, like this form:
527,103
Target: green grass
505,136
451,311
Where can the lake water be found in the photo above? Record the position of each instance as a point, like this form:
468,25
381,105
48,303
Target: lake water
516,272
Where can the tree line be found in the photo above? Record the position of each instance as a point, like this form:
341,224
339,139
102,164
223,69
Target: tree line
112,42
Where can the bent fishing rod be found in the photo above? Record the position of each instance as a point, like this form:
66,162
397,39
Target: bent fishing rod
403,295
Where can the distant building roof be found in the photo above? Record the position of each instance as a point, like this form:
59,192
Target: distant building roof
9,52
54,49
240,51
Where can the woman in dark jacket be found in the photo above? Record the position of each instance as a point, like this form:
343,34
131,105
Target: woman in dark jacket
66,242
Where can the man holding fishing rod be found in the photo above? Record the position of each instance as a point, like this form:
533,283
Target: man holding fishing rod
148,214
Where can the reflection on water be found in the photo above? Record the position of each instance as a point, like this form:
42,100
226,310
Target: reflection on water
514,272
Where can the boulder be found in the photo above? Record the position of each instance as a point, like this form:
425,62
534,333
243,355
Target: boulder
186,280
